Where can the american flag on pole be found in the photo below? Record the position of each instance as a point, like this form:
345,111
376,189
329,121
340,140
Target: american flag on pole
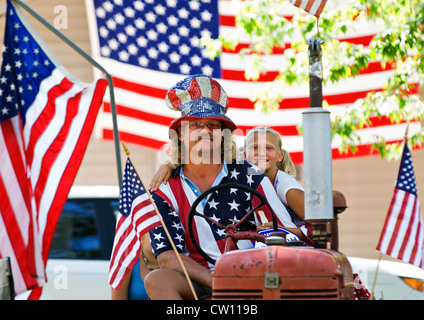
402,236
148,46
46,120
137,216
313,7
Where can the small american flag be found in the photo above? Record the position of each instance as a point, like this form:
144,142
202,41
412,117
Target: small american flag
137,216
46,119
402,236
313,7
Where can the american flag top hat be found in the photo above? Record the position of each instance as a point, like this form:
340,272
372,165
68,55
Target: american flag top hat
196,97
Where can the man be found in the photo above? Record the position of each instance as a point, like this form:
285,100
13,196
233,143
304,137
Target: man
203,154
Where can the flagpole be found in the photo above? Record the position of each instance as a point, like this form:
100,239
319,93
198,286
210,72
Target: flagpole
375,277
405,138
95,64
164,227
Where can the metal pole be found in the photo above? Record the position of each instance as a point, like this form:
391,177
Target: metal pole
315,72
95,64
317,153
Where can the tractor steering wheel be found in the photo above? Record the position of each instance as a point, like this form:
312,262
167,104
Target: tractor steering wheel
232,235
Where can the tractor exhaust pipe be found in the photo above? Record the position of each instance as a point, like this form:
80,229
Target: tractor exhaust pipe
317,152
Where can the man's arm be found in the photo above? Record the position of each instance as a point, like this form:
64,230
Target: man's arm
198,273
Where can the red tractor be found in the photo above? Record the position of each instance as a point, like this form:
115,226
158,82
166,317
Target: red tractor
281,269
291,269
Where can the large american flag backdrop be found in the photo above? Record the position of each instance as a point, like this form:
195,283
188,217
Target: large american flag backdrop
46,119
148,46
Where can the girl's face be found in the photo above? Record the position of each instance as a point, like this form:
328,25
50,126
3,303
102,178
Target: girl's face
262,150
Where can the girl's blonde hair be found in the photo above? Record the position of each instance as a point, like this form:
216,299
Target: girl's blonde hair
286,164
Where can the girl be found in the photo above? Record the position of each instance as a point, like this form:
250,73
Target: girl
263,148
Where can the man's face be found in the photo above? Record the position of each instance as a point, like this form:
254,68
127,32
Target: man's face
202,139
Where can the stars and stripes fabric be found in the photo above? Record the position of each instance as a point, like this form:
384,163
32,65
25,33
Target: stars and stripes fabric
136,216
313,7
148,46
46,119
402,236
225,206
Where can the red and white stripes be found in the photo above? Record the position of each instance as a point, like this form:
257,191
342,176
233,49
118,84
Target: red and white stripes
38,164
402,235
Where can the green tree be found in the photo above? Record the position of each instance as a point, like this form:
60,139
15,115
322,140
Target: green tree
400,45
